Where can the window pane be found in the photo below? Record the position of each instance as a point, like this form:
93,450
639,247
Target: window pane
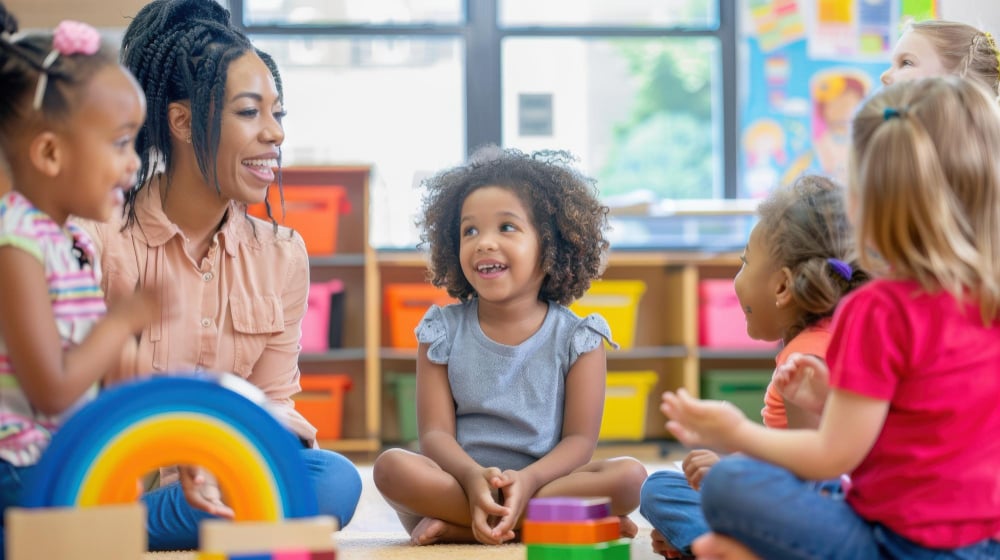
659,13
394,103
377,12
641,114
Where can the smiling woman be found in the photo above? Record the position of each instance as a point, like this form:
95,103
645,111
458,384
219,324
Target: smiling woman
234,287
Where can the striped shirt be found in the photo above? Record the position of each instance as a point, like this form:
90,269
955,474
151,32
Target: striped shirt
67,255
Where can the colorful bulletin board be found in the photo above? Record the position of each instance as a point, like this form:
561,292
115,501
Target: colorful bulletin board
810,63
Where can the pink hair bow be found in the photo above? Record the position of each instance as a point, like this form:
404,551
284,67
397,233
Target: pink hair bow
70,37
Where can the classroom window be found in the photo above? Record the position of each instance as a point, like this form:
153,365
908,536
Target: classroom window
641,91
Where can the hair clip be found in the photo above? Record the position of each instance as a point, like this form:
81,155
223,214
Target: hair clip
841,268
993,45
889,113
69,37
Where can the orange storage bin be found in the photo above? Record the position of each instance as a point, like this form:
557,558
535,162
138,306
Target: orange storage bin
313,211
721,323
405,305
322,402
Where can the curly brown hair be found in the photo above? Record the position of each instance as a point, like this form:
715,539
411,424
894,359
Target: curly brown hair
564,206
806,225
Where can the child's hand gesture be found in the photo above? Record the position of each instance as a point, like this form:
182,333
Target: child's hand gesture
202,491
804,381
696,465
482,488
698,423
516,489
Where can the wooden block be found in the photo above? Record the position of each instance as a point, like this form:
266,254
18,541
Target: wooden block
212,556
615,550
327,555
571,532
568,509
91,533
251,556
314,534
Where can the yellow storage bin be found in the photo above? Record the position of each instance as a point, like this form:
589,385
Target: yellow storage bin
618,302
625,405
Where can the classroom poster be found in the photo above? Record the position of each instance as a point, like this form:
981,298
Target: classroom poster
810,64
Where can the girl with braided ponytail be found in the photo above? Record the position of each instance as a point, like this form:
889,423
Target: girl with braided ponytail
798,264
912,410
211,145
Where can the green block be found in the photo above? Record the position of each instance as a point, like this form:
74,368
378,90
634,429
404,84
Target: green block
611,550
743,388
404,387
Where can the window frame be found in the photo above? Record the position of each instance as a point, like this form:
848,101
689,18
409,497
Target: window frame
483,36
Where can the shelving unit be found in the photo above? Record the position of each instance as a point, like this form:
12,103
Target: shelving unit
666,325
355,264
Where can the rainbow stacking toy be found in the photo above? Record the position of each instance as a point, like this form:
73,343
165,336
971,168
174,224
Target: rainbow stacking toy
85,486
573,529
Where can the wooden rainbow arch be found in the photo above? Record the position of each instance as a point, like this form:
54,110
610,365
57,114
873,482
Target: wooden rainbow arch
214,421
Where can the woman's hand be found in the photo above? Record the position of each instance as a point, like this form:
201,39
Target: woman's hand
696,465
202,491
698,423
804,381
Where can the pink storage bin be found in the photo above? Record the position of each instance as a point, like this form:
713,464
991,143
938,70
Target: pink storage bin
316,323
721,323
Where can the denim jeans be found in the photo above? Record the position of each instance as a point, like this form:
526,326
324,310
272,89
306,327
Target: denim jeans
173,524
780,516
11,483
673,508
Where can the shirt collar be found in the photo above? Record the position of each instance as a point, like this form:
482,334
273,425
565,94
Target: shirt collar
158,229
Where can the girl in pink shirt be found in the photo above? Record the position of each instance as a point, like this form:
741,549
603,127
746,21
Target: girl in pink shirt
912,411
68,116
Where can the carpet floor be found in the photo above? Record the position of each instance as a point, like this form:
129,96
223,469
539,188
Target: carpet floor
375,534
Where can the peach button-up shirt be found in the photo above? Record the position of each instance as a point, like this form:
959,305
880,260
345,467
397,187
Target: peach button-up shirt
238,310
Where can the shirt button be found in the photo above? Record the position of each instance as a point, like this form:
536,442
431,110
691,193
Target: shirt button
206,322
207,276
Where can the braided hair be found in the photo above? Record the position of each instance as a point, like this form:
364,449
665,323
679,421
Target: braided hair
22,63
181,50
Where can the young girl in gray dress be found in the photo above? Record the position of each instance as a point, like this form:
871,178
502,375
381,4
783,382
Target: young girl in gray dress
510,382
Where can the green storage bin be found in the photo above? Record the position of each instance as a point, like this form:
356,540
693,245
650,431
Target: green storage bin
743,388
404,389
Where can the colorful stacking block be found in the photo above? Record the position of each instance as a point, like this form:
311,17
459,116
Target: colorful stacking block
568,509
571,532
564,528
615,550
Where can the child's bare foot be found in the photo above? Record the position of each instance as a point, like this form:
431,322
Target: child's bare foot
627,527
720,547
430,531
662,547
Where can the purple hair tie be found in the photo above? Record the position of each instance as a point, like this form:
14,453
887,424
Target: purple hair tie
841,268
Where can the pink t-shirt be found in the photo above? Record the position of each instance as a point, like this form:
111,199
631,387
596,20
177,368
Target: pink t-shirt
814,339
933,475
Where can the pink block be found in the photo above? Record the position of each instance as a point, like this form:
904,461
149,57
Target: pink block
295,554
316,322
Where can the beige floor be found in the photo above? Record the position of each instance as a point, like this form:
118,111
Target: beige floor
375,533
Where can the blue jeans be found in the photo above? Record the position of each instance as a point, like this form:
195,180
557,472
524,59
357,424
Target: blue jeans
673,508
173,524
780,516
11,483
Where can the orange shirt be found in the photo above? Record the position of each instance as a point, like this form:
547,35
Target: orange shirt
812,340
238,310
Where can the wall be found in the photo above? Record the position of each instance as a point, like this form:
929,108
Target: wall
47,13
